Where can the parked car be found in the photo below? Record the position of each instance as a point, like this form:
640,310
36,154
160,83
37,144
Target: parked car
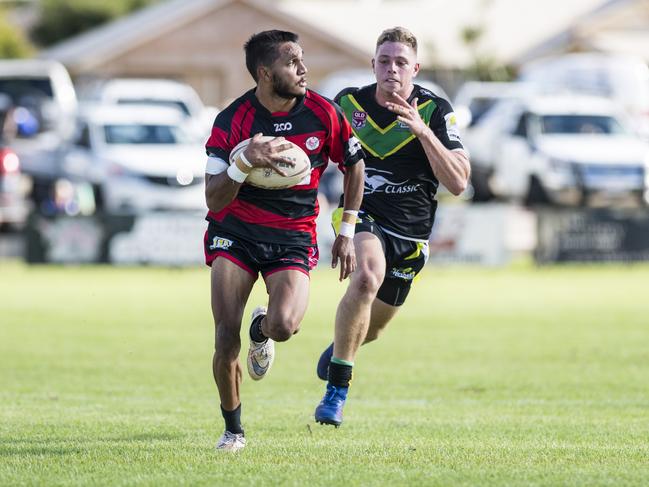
42,94
474,98
622,78
13,205
156,92
137,158
481,110
569,150
13,185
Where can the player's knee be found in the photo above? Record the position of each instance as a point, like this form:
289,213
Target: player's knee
366,282
281,327
227,344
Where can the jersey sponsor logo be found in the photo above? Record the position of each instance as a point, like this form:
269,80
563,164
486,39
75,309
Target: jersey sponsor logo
283,127
379,183
407,274
359,119
452,128
221,243
312,143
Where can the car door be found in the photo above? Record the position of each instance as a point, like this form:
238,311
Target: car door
78,161
513,164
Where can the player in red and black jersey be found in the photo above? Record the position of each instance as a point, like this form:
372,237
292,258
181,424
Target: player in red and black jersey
253,230
412,145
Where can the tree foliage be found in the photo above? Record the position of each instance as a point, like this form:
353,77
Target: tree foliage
61,19
13,43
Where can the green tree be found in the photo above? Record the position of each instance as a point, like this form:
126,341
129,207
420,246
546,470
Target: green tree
61,19
13,43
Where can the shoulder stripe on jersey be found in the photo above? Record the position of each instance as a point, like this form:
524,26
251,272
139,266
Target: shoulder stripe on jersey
238,120
327,118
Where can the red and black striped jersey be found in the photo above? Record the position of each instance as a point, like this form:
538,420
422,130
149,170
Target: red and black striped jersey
285,216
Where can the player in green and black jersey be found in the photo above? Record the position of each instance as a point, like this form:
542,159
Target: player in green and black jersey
412,144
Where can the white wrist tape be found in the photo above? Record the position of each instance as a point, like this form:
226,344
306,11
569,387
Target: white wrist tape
353,213
347,229
237,174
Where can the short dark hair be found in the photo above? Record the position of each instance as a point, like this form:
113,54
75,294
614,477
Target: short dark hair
262,48
398,34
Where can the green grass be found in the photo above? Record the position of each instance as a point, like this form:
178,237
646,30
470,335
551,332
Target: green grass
518,376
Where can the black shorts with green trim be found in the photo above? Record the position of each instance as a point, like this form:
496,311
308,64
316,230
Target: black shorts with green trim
404,259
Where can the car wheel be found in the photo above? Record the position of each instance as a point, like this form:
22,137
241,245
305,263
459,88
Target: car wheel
536,194
481,191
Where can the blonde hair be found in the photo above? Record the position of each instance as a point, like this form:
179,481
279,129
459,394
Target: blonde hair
397,34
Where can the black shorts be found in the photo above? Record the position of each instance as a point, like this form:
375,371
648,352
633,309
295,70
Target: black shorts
257,257
404,259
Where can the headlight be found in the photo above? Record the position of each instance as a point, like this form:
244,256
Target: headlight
561,173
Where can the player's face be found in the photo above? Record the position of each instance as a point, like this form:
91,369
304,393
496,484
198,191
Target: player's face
289,72
395,64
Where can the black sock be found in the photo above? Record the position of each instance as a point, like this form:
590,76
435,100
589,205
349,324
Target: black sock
233,420
340,375
256,335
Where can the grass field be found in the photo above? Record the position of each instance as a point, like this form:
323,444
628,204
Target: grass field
519,376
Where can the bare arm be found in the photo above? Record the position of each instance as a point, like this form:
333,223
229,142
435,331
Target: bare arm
451,168
220,190
353,184
343,247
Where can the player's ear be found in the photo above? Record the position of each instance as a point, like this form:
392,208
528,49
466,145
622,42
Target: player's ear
263,73
416,70
373,65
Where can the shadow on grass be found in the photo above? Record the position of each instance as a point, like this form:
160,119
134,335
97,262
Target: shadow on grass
57,446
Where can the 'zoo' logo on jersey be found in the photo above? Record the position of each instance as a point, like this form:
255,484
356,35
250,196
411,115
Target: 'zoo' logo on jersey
220,243
283,127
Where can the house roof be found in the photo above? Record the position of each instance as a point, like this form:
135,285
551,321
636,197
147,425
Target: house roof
99,45
513,31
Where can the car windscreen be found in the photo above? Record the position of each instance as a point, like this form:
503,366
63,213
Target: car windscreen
176,104
19,88
579,124
145,134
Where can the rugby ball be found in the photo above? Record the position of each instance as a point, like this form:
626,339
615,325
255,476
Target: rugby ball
265,177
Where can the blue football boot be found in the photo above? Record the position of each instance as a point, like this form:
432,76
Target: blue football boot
323,363
330,409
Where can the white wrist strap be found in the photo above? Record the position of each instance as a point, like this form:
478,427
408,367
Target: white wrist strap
348,223
236,174
347,229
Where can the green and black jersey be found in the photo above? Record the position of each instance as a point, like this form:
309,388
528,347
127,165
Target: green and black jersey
400,186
